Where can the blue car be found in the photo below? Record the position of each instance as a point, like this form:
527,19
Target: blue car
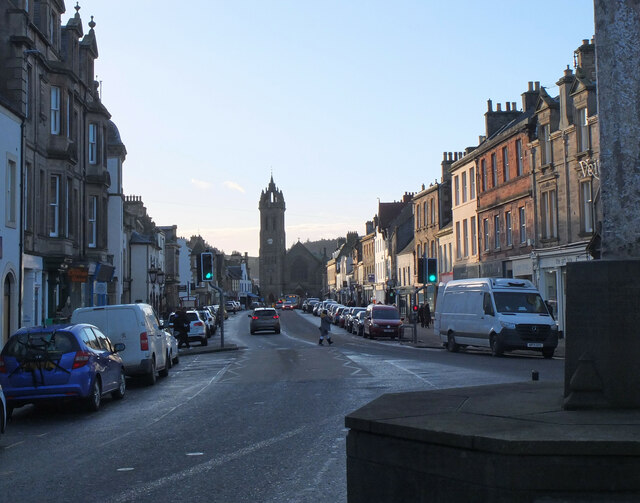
61,362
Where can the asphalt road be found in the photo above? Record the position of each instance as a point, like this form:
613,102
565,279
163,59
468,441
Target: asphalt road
264,423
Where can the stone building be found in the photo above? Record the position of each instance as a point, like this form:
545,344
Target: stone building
565,158
297,271
504,195
48,78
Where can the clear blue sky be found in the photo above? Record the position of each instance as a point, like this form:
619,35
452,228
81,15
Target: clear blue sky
346,101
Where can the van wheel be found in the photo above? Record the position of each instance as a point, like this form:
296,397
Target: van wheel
204,342
496,347
548,352
452,347
150,377
165,371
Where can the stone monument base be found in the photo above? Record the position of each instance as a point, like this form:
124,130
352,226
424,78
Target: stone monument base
507,443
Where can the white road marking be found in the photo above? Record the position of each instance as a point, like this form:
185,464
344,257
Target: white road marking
144,489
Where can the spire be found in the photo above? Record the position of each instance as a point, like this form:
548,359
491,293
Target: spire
77,8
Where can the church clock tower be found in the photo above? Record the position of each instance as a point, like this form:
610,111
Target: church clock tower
272,243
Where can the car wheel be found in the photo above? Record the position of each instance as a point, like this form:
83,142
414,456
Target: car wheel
170,359
204,342
496,347
548,352
118,394
278,331
165,371
95,396
253,332
452,347
150,377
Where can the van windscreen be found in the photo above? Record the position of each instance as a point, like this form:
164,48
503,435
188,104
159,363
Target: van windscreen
519,302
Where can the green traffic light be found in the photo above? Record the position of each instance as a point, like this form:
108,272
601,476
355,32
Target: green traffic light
208,275
432,277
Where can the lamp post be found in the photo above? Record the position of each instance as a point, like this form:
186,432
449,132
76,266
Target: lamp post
153,277
160,279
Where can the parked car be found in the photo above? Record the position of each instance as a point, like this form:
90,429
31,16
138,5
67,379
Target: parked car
197,328
209,321
136,326
230,306
381,321
61,362
351,317
3,411
264,318
172,344
357,326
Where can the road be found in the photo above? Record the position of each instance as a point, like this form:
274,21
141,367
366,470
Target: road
264,423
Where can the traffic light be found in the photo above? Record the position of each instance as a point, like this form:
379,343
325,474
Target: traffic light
422,266
206,266
415,308
432,270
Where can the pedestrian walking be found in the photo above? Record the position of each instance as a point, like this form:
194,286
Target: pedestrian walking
181,324
325,327
427,314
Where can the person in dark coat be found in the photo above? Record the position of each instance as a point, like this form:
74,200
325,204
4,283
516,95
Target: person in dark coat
181,324
421,315
325,327
427,315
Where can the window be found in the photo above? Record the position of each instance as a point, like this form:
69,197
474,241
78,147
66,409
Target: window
417,216
548,214
458,244
483,169
496,225
464,187
54,205
67,207
586,206
523,226
472,183
456,183
424,213
505,164
507,225
68,114
27,104
519,160
433,248
465,238
55,110
547,154
583,130
494,171
485,233
433,211
93,224
11,202
93,143
474,237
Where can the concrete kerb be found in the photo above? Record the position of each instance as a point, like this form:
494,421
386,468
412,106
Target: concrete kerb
211,348
427,339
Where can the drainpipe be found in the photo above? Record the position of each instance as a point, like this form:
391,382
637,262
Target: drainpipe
567,183
21,232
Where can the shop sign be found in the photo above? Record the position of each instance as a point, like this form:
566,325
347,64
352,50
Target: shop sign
590,167
78,274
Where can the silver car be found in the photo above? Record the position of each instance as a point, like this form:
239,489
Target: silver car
264,318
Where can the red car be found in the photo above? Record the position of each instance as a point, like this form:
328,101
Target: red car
287,305
381,321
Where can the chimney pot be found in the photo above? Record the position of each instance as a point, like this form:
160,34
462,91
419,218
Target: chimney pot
508,106
537,85
513,106
585,41
530,86
498,107
444,156
489,106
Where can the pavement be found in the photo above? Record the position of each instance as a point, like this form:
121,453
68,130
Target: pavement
428,339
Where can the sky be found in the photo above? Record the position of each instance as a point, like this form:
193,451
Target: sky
345,102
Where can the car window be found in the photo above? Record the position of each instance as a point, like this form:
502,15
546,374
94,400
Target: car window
192,316
386,314
90,339
265,313
103,341
62,342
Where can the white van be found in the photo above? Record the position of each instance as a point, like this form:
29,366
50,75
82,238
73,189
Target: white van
136,325
499,313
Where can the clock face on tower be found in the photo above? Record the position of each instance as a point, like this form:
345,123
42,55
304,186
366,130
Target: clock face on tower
269,241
